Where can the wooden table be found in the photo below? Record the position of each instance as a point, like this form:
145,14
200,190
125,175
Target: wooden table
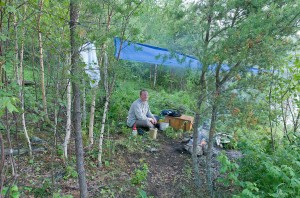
183,122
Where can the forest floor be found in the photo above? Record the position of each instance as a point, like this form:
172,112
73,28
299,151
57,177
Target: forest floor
169,174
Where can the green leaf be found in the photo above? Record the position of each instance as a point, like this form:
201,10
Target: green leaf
14,188
11,108
11,9
3,38
106,163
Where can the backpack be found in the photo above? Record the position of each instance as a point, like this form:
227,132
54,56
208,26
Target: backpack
170,112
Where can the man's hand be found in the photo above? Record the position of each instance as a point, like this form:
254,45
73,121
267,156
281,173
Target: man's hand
153,120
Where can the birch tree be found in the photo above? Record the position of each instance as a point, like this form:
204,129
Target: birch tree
108,90
92,116
68,123
127,12
41,54
20,75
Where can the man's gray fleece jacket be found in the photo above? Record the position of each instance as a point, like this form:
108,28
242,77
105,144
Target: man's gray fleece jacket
138,111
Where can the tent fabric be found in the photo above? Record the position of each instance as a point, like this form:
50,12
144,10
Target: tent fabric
138,52
127,50
92,69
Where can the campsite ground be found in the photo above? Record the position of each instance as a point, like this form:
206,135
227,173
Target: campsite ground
169,171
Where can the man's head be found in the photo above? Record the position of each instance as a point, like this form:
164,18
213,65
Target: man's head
144,95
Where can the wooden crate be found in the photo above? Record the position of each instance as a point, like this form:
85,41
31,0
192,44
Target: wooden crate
183,122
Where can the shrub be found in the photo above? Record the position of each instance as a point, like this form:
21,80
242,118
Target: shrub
140,175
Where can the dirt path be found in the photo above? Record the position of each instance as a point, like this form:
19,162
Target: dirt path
170,171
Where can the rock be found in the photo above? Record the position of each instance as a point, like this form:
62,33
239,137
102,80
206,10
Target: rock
152,150
124,176
185,139
189,148
222,139
37,140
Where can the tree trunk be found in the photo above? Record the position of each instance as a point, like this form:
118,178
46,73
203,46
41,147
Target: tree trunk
74,15
101,133
56,107
108,90
2,163
11,157
42,62
284,118
195,132
295,116
150,76
210,148
83,104
16,67
68,124
92,115
20,80
33,71
218,84
194,154
155,75
270,117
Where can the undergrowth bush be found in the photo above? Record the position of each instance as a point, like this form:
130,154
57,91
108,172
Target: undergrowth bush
262,172
140,174
276,174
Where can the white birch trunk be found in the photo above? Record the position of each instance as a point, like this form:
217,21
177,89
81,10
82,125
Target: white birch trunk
92,115
42,61
108,91
101,134
56,112
68,125
20,79
83,105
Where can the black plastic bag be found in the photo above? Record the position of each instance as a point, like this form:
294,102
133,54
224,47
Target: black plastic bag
170,112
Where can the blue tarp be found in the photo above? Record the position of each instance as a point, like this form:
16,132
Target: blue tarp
139,52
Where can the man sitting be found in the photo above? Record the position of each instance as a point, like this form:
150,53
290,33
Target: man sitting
140,114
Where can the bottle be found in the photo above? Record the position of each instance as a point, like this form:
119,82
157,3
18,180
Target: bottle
153,133
134,130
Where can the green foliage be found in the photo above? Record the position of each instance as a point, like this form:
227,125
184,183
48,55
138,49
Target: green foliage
59,195
122,99
262,172
188,171
275,174
173,133
107,193
13,192
229,169
93,154
9,103
44,190
140,174
60,151
70,173
142,194
239,33
133,143
106,163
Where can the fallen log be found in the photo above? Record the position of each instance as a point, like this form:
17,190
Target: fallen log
26,82
22,151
